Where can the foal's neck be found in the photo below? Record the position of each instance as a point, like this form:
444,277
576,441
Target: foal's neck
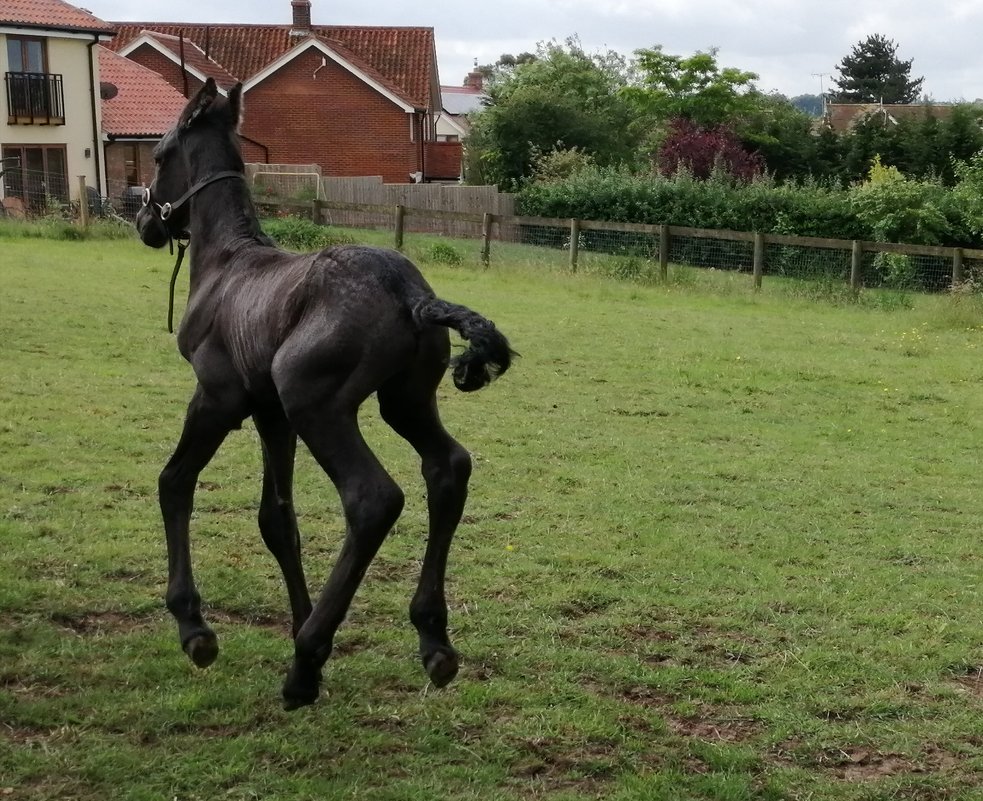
223,217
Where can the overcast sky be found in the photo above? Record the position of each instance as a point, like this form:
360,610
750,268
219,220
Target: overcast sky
788,44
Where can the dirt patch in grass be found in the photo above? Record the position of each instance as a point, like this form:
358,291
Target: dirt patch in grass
123,491
865,763
704,647
36,735
972,681
33,687
43,787
383,571
645,697
348,642
278,623
861,763
707,723
587,604
551,765
99,623
714,726
130,574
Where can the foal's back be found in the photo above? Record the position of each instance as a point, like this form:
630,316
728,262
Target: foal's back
343,310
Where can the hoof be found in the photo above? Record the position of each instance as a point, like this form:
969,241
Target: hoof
441,666
300,689
290,703
202,649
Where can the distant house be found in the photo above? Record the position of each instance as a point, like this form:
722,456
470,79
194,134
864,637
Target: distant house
842,117
453,125
353,100
53,116
138,108
458,103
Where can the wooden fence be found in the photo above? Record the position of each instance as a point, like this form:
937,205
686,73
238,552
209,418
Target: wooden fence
347,199
859,263
294,183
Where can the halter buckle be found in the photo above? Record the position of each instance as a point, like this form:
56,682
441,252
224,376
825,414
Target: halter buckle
165,211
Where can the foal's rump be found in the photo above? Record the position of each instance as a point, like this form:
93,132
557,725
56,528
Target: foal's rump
376,272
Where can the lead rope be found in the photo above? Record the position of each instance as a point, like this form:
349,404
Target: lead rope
182,245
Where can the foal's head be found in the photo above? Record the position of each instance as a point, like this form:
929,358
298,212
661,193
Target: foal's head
204,142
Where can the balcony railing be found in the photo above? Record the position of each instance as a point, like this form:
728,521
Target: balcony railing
35,98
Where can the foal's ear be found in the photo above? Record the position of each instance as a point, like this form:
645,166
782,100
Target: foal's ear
199,103
236,105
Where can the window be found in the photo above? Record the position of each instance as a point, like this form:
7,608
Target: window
34,96
37,174
26,54
131,164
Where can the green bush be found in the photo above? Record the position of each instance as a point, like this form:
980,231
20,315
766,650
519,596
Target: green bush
924,213
444,253
300,234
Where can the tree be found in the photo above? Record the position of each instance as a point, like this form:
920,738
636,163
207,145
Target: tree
506,62
809,104
693,88
562,99
873,73
701,150
782,135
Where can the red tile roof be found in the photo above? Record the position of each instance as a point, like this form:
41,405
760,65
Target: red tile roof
401,59
844,116
145,105
50,15
195,58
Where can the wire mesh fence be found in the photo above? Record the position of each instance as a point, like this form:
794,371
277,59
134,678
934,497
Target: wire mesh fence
622,250
32,194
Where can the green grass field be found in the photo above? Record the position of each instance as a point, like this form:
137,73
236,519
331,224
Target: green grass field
719,546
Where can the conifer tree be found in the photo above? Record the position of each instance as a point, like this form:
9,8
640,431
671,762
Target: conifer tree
873,73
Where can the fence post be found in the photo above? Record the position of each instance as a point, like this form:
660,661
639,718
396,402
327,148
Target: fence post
957,267
486,225
83,203
574,243
759,258
664,252
400,216
856,262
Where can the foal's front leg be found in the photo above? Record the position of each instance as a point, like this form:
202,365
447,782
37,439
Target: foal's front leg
205,428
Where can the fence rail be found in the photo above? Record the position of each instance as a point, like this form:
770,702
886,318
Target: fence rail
626,249
648,246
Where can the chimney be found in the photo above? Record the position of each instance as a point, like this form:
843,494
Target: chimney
301,17
475,79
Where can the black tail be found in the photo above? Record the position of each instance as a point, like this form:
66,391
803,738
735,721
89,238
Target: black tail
488,354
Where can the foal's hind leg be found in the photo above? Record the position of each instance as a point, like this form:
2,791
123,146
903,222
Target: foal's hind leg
372,501
205,427
277,521
446,466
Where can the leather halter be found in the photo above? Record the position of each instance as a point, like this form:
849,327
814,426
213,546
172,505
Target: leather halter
164,211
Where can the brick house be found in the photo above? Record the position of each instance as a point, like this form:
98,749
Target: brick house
138,108
353,100
51,122
453,124
458,102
